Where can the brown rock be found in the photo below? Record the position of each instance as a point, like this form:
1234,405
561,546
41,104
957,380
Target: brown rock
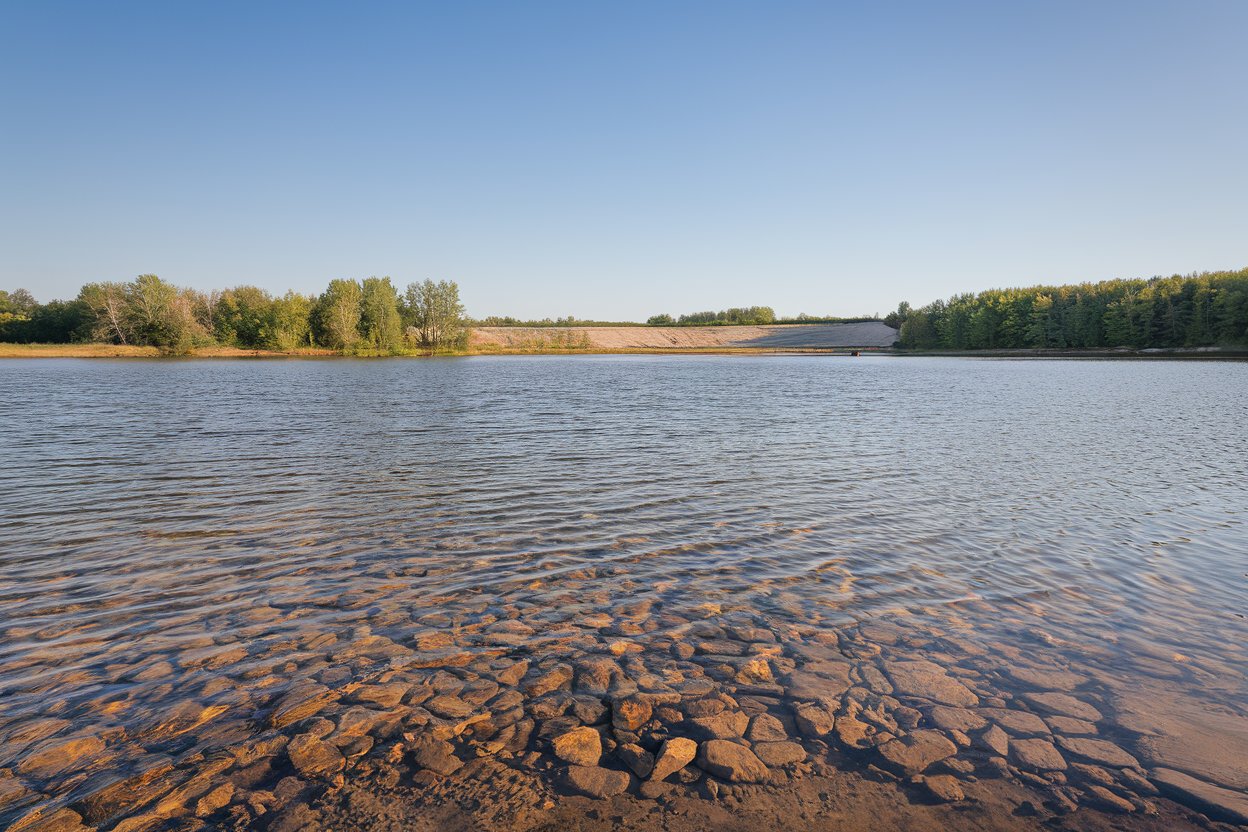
812,687
448,707
57,756
675,754
1103,798
314,757
732,762
1062,704
944,787
124,796
1218,803
580,747
60,820
560,676
301,703
913,753
722,726
1039,755
814,720
1017,723
779,753
956,719
639,760
755,671
766,728
852,732
925,680
387,696
435,755
630,713
216,799
1098,751
594,781
994,740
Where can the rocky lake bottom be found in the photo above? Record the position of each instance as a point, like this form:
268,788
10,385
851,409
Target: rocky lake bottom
571,594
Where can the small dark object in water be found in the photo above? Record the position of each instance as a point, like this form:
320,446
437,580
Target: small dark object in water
856,353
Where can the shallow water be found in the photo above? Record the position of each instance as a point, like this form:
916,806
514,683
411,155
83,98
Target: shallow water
216,532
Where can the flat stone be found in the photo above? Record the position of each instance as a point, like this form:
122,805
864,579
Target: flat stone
448,707
435,755
387,696
1215,801
852,732
779,753
766,728
993,739
814,720
1103,798
944,788
732,762
639,760
1071,727
811,687
1062,704
60,820
1098,751
314,757
913,753
560,676
1046,679
57,756
1039,755
580,747
1017,723
1186,734
123,796
956,719
724,725
675,754
594,781
216,799
301,703
925,680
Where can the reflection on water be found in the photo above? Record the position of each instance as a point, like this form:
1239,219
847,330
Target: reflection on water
200,557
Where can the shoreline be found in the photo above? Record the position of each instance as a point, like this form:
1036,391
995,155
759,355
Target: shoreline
130,351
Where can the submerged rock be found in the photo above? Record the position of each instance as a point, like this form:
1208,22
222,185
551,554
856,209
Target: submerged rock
1215,801
1062,704
926,680
913,753
732,762
1037,754
1098,751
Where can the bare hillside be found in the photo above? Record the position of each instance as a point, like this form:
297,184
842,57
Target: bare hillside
805,336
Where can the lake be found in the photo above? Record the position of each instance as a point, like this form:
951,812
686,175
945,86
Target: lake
340,592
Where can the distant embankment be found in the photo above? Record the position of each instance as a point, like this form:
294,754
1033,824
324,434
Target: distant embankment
872,334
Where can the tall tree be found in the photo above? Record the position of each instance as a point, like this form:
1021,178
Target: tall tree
338,315
380,326
435,314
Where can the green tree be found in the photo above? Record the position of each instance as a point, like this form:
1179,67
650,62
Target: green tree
291,326
380,326
337,315
243,317
435,315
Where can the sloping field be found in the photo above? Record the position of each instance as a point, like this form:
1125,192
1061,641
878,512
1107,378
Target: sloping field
793,336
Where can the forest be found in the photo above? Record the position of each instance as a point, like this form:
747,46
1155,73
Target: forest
354,317
371,317
1198,310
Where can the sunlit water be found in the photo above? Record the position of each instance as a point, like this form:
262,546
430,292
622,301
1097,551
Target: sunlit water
1086,514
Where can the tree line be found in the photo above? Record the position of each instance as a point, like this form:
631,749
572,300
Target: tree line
1198,310
367,316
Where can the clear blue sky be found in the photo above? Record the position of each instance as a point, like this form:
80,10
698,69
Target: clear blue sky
615,160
